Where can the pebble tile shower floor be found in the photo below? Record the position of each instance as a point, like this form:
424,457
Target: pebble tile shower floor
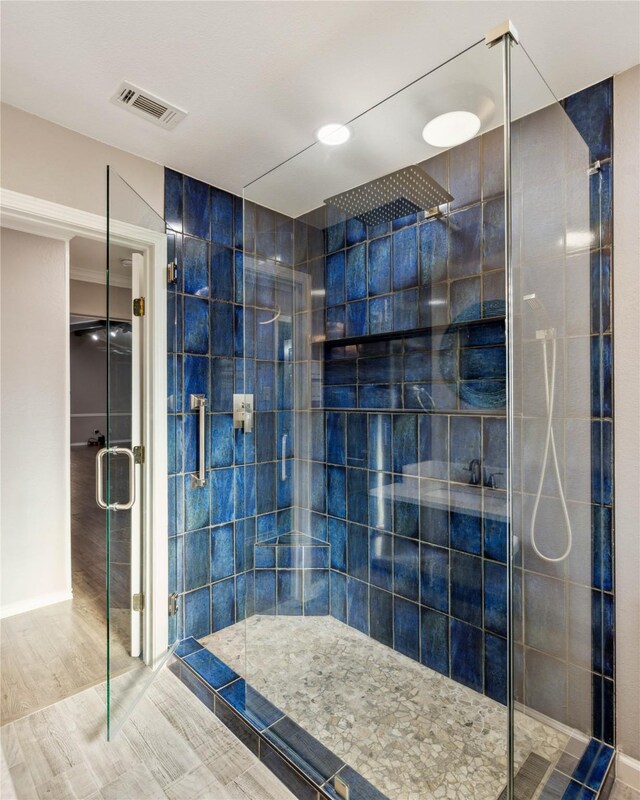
398,723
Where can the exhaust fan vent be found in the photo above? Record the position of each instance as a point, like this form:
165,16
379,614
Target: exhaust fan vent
148,106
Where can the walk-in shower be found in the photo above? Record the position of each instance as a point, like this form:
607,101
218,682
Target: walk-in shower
414,604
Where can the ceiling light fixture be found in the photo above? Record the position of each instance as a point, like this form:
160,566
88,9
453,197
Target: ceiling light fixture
451,129
333,134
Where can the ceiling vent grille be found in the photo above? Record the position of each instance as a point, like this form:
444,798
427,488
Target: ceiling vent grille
147,106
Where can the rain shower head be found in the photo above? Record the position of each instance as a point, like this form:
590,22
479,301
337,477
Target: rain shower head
393,196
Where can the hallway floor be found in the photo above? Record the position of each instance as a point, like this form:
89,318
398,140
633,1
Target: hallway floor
171,747
398,723
54,652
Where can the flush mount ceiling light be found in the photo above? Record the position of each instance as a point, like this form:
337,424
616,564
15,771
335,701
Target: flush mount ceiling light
333,134
451,129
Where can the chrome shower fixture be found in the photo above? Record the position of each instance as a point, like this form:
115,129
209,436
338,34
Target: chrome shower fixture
393,196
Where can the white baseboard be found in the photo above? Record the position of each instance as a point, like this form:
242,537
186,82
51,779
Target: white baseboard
11,609
628,771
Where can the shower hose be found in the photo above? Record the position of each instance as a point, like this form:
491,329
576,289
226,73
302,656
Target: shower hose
550,441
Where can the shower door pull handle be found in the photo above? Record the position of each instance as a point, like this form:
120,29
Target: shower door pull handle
116,451
199,403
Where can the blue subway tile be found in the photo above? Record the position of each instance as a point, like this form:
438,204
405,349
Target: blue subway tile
381,615
379,451
336,492
221,217
222,496
338,588
213,671
222,384
406,572
381,559
316,592
196,215
495,597
335,328
356,440
356,273
221,281
335,279
265,591
222,552
357,495
434,577
379,261
465,530
335,237
222,328
406,628
465,237
336,438
405,441
495,667
251,704
434,640
338,541
196,506
187,646
380,315
591,112
358,605
195,266
466,588
467,655
405,260
223,604
356,231
197,607
405,310
356,323
433,251
290,592
173,194
358,552
196,559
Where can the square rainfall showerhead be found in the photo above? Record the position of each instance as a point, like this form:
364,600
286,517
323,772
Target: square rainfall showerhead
393,196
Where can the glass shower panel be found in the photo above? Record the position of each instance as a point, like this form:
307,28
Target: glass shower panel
555,235
373,498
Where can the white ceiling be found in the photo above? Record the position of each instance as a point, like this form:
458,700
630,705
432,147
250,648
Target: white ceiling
258,78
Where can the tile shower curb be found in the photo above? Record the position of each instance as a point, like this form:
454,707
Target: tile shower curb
306,767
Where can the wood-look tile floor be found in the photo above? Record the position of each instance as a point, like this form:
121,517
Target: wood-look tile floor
54,652
171,747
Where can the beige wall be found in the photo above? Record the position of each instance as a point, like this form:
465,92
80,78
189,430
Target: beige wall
89,299
34,515
626,305
47,161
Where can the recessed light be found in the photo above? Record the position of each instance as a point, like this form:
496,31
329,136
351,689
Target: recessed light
451,129
333,134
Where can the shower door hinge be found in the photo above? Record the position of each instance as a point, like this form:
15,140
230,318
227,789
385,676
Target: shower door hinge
138,307
172,272
137,602
173,604
138,454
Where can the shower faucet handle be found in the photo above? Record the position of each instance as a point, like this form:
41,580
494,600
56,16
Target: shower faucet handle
475,468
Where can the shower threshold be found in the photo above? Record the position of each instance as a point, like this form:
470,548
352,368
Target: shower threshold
410,732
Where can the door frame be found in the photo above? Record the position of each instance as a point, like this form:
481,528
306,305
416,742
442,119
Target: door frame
45,218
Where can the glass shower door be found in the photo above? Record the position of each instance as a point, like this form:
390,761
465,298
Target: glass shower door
120,477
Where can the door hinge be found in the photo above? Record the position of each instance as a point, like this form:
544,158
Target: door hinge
173,604
172,272
139,454
138,307
137,602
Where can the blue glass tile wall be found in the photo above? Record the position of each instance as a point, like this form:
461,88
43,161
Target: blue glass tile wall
411,560
221,345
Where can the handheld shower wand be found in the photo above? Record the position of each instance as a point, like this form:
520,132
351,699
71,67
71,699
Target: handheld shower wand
548,335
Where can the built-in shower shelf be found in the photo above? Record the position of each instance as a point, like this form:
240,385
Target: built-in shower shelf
430,330
292,539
